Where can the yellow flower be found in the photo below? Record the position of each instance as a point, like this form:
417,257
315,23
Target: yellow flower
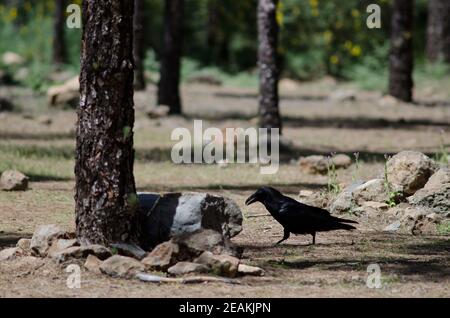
314,3
348,45
334,59
356,50
355,13
328,36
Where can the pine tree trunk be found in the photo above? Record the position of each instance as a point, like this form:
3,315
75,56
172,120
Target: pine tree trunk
105,200
268,64
139,44
59,46
169,84
401,55
438,30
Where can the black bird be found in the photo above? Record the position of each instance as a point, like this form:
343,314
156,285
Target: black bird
296,217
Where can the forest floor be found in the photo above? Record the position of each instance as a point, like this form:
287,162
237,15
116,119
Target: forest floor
39,141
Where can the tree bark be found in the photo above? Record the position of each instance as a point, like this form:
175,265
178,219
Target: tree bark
438,30
105,201
169,84
401,54
139,44
59,46
268,64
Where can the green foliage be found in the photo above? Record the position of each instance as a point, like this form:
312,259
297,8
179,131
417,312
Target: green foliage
444,228
333,184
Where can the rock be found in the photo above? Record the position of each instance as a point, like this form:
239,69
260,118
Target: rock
375,205
191,245
394,227
130,250
344,201
223,265
59,245
65,94
174,214
92,264
183,268
250,270
6,105
121,267
10,254
411,170
305,194
43,237
77,252
426,225
314,164
158,112
288,85
435,194
342,161
12,59
343,96
389,101
12,180
319,164
206,79
375,191
162,256
24,244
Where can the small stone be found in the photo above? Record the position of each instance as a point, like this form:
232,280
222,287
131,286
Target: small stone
59,245
121,267
130,250
374,190
343,96
375,205
24,244
183,268
43,237
158,112
78,252
92,264
411,170
314,164
11,58
341,161
9,254
223,265
162,257
305,193
12,180
250,270
394,227
435,194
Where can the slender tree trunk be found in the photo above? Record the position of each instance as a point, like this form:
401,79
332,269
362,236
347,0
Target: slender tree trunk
139,44
401,54
169,84
59,25
268,64
438,30
105,200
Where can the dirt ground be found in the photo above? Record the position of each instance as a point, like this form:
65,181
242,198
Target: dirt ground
411,266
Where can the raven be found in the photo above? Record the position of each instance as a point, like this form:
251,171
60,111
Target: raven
296,217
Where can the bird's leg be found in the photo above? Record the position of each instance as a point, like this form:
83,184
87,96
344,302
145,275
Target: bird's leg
314,238
285,237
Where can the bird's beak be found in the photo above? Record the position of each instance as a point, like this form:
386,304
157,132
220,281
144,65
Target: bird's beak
251,199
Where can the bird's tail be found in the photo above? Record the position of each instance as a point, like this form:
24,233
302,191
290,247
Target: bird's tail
347,227
345,220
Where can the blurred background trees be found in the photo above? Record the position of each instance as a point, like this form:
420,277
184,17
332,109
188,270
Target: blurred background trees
220,38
